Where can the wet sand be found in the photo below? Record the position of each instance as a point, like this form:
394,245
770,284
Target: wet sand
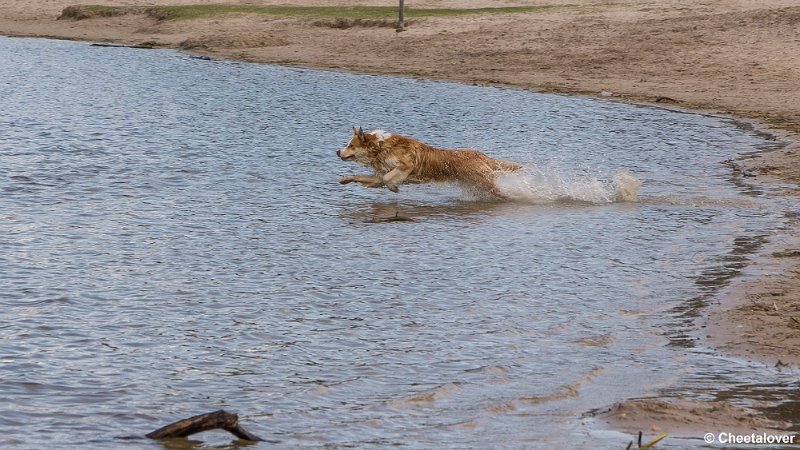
739,58
683,417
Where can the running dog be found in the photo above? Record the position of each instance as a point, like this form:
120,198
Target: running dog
399,159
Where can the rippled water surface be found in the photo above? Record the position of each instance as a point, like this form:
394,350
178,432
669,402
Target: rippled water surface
173,240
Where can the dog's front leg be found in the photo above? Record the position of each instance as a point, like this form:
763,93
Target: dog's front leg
372,181
395,177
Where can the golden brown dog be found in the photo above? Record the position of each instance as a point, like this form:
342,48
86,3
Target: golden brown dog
399,159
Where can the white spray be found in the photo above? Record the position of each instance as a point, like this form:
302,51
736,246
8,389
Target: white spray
534,185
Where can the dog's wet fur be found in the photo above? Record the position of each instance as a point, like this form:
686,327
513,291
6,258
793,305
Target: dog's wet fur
398,159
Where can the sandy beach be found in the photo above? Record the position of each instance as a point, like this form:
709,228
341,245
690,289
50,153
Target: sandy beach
739,58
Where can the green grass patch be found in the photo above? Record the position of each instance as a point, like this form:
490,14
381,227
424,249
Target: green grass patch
314,12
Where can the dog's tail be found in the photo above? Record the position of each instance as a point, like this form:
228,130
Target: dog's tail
507,166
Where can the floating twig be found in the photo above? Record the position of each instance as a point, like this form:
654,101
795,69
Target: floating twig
204,422
655,441
647,446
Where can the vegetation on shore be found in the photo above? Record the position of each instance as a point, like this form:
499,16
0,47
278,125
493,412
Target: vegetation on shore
314,12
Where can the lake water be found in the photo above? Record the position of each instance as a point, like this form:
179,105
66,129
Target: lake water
174,240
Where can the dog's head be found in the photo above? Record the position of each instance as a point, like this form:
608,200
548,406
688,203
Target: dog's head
363,147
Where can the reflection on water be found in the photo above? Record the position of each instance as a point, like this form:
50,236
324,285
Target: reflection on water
173,240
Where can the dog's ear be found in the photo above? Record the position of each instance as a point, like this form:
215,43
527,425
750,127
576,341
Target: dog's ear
358,134
361,134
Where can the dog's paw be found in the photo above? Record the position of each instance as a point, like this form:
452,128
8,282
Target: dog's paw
346,180
392,187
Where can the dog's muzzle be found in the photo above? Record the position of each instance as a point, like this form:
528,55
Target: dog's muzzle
344,158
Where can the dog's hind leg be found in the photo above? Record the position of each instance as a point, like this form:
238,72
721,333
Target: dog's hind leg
494,190
488,185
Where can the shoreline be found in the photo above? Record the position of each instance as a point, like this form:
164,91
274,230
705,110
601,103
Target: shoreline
756,316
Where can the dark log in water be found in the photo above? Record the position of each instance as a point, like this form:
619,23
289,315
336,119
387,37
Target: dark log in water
144,46
204,422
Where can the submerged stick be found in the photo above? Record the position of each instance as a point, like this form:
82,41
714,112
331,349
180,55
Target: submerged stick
144,46
204,422
396,218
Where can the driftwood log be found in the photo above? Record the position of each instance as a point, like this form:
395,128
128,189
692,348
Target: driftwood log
143,46
204,422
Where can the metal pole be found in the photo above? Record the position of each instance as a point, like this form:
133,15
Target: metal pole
401,25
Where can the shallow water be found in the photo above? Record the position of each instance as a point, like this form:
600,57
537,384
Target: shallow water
173,240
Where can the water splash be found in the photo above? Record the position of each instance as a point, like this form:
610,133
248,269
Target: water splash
535,185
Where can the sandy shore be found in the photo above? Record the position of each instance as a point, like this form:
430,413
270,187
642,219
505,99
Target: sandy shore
739,57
